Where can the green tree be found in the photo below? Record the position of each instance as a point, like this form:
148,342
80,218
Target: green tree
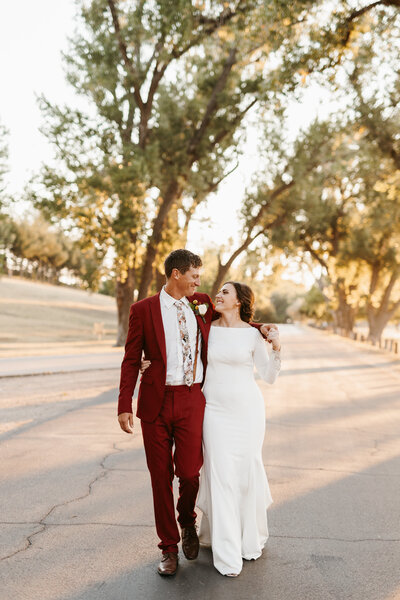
322,222
347,220
7,228
8,235
337,34
86,264
314,305
170,85
327,202
3,160
270,205
40,250
374,245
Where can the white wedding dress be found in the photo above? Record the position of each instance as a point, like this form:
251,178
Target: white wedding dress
234,493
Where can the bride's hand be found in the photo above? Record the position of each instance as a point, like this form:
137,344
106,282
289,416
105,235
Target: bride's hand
271,333
144,364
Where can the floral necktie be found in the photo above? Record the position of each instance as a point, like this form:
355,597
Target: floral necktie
186,351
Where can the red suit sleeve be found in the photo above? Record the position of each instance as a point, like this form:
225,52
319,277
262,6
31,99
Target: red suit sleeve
131,361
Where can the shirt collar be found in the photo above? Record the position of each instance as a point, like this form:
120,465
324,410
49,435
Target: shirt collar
169,301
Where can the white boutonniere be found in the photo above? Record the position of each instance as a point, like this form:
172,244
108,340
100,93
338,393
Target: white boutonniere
199,309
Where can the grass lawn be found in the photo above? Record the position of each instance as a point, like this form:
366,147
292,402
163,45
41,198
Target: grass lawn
39,318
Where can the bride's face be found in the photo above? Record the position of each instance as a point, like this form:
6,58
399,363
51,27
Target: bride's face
226,300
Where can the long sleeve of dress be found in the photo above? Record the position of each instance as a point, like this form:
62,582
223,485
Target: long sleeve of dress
267,367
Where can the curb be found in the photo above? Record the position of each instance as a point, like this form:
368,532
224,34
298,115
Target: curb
58,372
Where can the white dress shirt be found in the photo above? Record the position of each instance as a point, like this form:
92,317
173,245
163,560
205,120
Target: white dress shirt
173,344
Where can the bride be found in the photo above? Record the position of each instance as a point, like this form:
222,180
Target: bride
234,493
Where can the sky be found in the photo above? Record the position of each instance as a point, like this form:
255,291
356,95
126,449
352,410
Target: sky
32,37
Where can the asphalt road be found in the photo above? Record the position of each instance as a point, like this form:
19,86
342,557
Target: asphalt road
85,361
76,507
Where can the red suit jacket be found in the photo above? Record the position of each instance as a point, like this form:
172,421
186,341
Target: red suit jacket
146,332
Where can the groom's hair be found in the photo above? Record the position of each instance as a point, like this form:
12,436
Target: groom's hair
182,260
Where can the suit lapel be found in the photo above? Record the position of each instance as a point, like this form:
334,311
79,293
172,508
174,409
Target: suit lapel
199,319
155,307
202,327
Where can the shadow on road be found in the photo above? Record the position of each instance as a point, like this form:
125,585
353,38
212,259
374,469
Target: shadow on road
340,540
54,411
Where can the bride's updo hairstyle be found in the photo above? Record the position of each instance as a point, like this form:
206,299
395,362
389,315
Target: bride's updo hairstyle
246,298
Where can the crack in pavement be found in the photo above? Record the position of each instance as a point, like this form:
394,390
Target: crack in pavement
44,525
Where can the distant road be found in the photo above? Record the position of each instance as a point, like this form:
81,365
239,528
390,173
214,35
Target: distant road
33,365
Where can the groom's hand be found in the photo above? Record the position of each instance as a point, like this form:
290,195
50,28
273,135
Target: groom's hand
271,333
126,422
266,328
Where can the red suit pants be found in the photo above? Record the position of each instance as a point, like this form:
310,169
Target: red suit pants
173,445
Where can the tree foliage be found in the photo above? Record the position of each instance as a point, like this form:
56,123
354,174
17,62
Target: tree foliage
33,249
347,220
3,158
169,88
347,213
169,85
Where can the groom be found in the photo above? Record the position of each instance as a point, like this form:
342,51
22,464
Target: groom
172,330
173,334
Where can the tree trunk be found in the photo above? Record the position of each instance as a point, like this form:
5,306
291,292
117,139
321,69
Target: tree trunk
344,314
160,280
379,316
170,196
377,324
219,278
377,321
124,298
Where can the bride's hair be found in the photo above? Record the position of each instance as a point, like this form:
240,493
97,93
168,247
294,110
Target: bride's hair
246,298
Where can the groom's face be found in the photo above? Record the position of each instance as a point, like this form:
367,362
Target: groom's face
188,282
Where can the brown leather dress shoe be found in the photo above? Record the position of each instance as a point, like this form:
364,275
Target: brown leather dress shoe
190,542
168,564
